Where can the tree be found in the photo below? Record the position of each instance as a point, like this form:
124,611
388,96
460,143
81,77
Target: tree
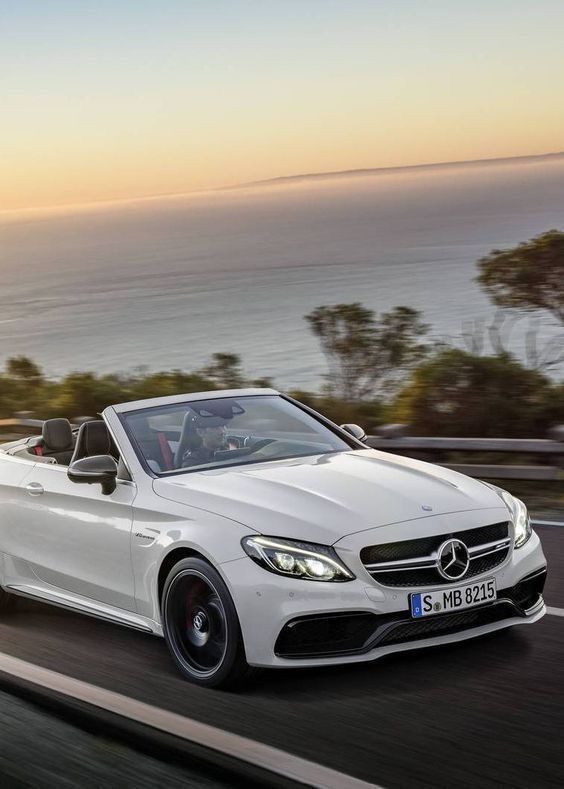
24,369
370,414
455,393
366,355
529,276
225,371
162,384
8,403
85,394
25,383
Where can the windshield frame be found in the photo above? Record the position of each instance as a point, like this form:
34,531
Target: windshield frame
346,437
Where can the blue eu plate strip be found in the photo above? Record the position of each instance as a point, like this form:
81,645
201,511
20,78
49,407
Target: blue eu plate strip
416,605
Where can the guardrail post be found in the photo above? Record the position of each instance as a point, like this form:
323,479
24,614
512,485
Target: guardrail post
557,434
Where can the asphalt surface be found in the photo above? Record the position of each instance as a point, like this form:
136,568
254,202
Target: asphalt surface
40,750
487,712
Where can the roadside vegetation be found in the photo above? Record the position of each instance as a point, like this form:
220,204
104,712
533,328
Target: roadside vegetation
380,368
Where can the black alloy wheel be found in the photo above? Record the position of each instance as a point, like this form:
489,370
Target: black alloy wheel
201,626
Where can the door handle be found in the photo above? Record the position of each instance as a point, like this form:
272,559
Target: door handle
34,489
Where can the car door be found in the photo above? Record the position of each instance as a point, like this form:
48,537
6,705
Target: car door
72,537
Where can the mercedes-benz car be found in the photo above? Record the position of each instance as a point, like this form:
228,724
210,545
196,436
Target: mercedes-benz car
251,531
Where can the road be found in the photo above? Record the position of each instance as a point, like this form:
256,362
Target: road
42,751
488,712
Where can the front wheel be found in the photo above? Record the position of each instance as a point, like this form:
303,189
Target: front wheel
201,626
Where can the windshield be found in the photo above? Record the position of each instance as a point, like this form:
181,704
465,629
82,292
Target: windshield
226,431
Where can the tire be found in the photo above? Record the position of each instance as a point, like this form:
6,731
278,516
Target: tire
201,627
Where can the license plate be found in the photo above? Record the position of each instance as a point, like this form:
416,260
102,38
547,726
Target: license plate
444,600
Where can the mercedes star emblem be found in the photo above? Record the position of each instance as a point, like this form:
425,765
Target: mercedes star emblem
453,559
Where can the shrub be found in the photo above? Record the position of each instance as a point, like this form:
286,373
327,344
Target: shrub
458,394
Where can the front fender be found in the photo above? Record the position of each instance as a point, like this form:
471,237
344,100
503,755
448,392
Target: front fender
161,527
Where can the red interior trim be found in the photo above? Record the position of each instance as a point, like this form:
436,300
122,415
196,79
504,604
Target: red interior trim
165,451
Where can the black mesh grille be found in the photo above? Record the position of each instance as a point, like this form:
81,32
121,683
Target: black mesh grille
396,551
484,563
526,592
329,634
473,537
417,629
425,546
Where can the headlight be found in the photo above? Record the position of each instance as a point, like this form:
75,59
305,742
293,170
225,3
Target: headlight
519,516
297,559
521,519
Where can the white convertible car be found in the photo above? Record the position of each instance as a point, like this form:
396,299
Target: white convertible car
249,530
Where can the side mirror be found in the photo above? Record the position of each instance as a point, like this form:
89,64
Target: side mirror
356,432
101,469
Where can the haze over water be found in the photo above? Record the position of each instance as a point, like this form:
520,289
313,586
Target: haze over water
166,282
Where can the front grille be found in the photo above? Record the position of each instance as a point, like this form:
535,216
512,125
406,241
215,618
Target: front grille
378,558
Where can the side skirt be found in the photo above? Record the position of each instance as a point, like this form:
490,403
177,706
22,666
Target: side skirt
81,606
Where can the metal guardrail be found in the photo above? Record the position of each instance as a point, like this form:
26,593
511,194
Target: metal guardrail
393,438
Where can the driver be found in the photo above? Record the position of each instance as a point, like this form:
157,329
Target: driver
211,433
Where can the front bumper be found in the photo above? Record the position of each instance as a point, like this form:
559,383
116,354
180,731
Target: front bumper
288,622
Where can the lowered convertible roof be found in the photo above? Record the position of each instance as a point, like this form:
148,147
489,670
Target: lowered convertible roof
152,402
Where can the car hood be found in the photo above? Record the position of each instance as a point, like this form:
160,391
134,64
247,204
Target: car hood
324,498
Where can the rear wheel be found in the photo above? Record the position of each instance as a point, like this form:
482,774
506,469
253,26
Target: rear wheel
201,626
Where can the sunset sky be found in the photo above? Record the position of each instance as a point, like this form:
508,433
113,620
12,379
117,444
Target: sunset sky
122,98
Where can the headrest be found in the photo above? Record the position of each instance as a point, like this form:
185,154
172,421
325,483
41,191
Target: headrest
57,434
93,439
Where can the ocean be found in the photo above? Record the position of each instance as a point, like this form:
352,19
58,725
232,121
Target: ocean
165,282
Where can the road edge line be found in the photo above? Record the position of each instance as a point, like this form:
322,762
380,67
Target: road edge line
546,523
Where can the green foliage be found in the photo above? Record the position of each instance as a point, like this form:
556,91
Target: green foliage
366,413
23,368
163,384
366,355
452,392
225,370
530,275
84,394
8,403
554,407
455,393
23,387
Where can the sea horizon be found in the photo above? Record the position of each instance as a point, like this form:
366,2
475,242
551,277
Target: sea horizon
165,283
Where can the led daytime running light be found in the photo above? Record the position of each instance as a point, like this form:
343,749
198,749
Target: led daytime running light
308,563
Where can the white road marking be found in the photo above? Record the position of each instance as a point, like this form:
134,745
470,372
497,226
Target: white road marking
547,523
554,611
241,748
